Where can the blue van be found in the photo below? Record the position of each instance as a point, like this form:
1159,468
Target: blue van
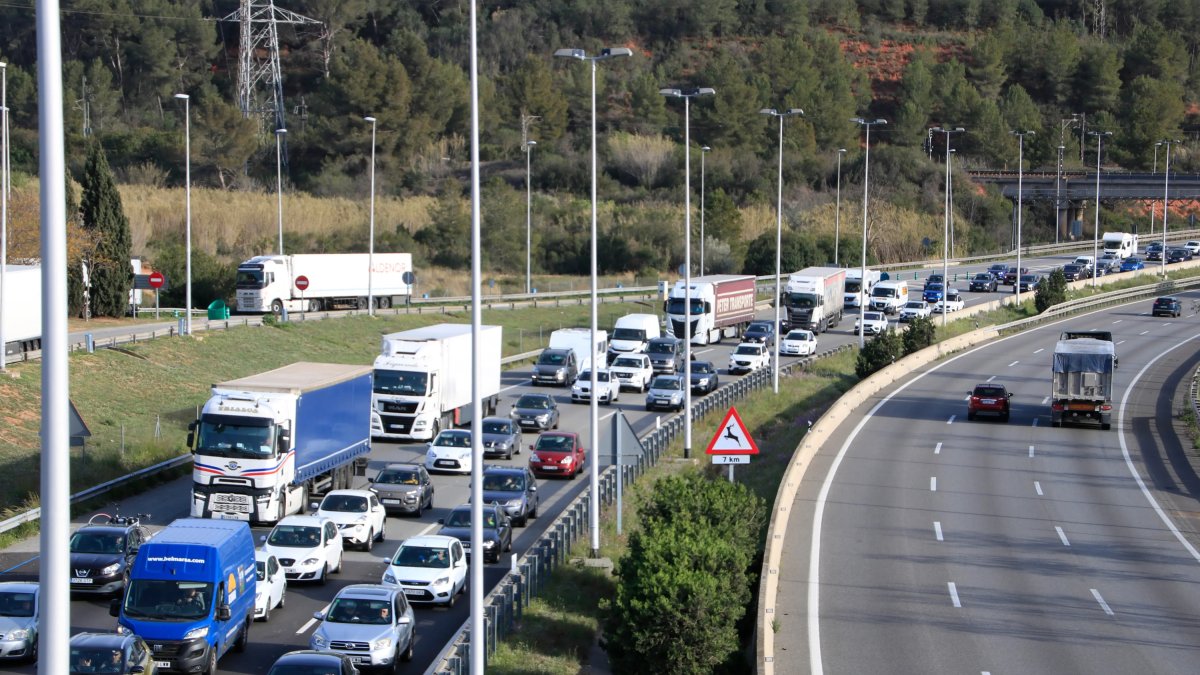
190,594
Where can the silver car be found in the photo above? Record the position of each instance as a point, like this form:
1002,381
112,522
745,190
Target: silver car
370,623
19,610
535,411
403,488
501,437
666,391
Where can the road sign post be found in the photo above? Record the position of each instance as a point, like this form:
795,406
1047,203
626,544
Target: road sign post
156,282
732,443
301,285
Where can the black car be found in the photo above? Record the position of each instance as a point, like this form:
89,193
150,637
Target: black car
760,331
1167,306
307,662
1154,251
998,271
109,653
514,488
497,530
1178,254
103,550
704,377
935,278
983,282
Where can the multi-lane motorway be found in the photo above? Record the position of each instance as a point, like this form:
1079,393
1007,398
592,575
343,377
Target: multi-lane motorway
925,543
291,627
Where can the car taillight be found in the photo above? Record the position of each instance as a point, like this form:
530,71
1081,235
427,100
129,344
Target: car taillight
1105,408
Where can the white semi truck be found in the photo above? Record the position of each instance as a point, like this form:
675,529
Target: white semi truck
814,298
722,306
858,287
313,282
21,309
423,380
265,443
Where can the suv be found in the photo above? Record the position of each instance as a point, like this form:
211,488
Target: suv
308,547
666,354
748,357
935,278
403,488
989,398
1167,306
608,388
1074,272
632,370
102,552
555,366
513,488
358,514
983,282
370,623
998,271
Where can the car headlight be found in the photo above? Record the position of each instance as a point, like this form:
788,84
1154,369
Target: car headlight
515,503
111,569
19,634
384,643
196,633
310,561
489,544
543,418
565,460
122,630
441,581
319,641
389,578
560,373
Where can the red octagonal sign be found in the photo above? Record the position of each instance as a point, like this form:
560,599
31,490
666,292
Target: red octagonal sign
157,280
301,282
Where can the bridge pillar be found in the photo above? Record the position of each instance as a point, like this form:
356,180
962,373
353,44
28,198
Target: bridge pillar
1069,212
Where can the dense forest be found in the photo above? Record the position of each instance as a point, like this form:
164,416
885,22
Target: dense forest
1059,68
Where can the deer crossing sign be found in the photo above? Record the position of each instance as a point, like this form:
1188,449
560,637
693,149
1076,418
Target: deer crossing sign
732,437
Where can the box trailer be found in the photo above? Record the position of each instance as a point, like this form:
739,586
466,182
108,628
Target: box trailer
722,305
21,309
313,282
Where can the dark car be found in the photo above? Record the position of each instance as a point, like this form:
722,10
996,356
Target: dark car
513,488
109,653
102,551
1132,265
990,399
497,530
983,283
307,662
760,331
1074,272
1154,251
501,437
704,377
998,271
403,488
1167,306
935,278
1030,283
666,354
535,411
1178,254
555,366
557,453
1011,274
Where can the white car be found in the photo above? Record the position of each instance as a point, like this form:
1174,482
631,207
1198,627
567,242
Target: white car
308,547
449,451
633,371
799,342
1193,246
915,309
271,589
749,356
360,517
873,323
608,388
430,568
953,302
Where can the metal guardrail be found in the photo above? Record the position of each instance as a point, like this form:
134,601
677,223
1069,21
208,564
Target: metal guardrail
508,600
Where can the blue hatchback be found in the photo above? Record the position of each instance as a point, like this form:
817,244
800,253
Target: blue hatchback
1132,264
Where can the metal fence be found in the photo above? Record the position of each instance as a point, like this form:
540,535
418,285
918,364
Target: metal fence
506,602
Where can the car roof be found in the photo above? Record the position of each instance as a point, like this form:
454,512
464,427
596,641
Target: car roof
1167,297
499,469
497,418
308,521
103,529
309,657
102,640
430,541
350,492
401,466
372,591
19,587
572,434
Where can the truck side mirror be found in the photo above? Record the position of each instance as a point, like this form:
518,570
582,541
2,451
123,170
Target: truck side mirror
285,438
191,440
114,607
224,613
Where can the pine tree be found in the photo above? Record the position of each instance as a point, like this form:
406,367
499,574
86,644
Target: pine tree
101,212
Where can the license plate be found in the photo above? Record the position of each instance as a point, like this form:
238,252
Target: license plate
162,664
222,515
76,580
390,501
413,591
662,401
289,570
445,462
988,401
549,468
1081,406
361,659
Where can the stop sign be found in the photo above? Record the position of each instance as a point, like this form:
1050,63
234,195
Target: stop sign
157,280
301,282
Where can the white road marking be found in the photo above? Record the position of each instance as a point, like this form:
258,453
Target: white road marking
1031,451
1120,342
1035,421
951,420
309,624
1045,400
1118,321
1013,364
933,483
1039,351
1062,536
1143,332
954,594
994,377
523,384
1103,604
937,529
937,449
1037,486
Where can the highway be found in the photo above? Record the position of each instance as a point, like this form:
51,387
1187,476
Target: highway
922,543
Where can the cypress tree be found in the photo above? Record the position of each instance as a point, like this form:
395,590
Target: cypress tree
101,213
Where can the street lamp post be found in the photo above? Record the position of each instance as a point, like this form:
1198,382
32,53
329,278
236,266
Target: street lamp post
529,145
778,241
371,235
279,183
1096,227
837,214
1166,199
704,150
1058,194
3,201
187,200
1020,188
862,306
947,131
594,497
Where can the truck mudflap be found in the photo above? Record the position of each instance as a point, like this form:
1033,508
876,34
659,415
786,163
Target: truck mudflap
1070,412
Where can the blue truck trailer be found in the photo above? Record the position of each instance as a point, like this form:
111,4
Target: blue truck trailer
265,444
190,594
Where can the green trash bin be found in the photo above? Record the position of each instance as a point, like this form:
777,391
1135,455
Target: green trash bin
218,310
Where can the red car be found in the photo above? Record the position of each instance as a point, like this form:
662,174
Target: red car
989,399
557,453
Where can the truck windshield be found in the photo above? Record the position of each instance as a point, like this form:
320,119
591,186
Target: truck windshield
168,600
250,277
629,334
853,285
802,300
675,306
401,382
229,436
661,348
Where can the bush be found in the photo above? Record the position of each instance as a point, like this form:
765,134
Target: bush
878,352
1052,291
920,334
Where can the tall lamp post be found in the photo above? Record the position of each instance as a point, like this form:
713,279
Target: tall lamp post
862,306
371,235
704,150
594,497
3,200
947,131
1096,227
1020,188
687,95
529,145
1166,199
778,240
279,183
187,200
1058,194
837,214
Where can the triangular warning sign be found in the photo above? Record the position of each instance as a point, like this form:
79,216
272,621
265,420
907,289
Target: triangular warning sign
732,438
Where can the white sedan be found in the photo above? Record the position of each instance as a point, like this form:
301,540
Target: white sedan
359,515
749,356
608,388
953,302
873,323
429,568
915,309
271,589
449,451
799,342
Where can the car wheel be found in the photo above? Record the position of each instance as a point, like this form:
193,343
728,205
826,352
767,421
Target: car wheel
1004,417
382,529
369,544
533,513
420,508
267,612
509,546
283,598
408,652
324,578
522,521
338,569
571,476
970,416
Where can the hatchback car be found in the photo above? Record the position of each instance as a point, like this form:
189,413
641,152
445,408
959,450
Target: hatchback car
935,278
501,437
429,568
514,488
760,331
608,388
704,377
1167,306
990,399
450,451
358,514
497,530
19,613
1154,251
983,282
535,411
1193,246
307,662
271,589
403,488
1132,265
123,653
933,292
558,453
102,553
799,342
370,623
308,547
666,392
1177,254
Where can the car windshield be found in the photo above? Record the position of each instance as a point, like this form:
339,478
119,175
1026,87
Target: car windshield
883,292
702,367
989,392
1028,277
360,610
422,556
330,666
555,443
249,277
935,286
983,276
799,335
168,600
915,304
759,328
1071,268
232,436
16,603
399,477
503,482
747,349
346,503
295,536
462,518
552,359
667,383
661,348
98,542
453,439
627,362
601,376
629,334
497,427
400,382
534,402
97,660
873,316
853,285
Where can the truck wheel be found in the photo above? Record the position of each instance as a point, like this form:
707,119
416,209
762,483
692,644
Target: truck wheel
277,307
240,645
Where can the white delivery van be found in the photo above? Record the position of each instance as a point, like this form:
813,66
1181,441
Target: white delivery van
577,339
889,296
631,333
